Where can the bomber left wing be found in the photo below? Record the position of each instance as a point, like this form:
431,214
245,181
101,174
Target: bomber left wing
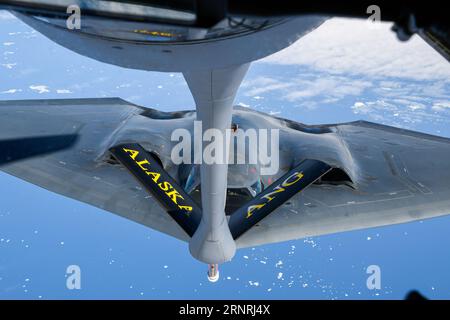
80,172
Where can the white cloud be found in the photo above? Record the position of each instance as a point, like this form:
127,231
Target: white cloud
331,87
63,91
441,106
262,85
337,87
10,91
243,105
9,65
39,88
5,15
349,46
401,113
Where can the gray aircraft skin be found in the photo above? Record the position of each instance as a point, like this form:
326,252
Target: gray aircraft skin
213,61
379,175
387,175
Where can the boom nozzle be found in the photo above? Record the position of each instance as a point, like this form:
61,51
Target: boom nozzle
213,272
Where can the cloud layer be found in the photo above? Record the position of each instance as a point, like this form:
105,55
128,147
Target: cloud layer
352,46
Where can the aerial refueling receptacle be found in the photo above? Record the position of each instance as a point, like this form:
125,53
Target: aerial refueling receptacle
213,272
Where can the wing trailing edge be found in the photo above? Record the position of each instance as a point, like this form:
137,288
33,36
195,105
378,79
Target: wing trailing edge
23,148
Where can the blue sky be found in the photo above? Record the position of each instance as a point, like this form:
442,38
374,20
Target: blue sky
329,76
